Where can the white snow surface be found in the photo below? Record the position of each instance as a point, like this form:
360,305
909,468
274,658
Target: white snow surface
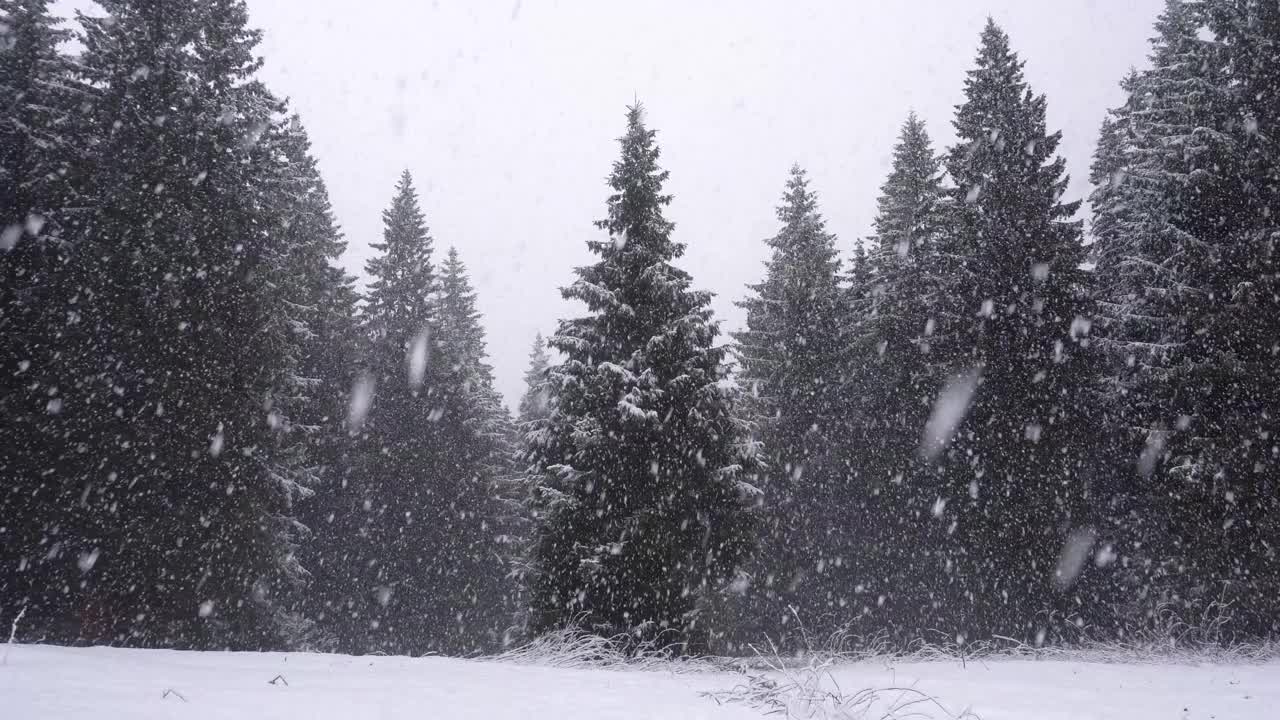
1052,689
39,682
42,682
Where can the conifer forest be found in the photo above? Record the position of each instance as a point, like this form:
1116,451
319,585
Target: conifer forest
1005,411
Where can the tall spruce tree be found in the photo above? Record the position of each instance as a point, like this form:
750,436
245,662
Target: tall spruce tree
1187,275
168,394
36,151
534,409
323,313
535,403
641,465
1143,295
392,500
895,377
1241,449
792,355
1013,327
486,510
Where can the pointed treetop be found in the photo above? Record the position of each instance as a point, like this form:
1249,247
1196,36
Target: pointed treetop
459,297
1001,131
798,200
401,272
995,83
533,404
539,346
994,46
803,239
461,332
635,221
905,215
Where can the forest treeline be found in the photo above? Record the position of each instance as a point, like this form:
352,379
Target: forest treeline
983,421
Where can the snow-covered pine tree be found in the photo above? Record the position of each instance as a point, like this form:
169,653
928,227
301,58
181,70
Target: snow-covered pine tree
1013,320
1239,446
1107,173
535,404
485,512
36,148
792,354
642,466
1153,230
322,311
36,138
389,512
534,409
174,496
894,378
1187,274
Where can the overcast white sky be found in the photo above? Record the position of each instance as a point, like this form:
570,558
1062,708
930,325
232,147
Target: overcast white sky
507,113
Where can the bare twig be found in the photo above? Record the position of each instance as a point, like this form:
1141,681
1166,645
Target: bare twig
171,691
13,634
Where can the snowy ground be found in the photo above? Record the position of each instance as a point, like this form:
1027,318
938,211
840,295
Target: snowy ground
44,682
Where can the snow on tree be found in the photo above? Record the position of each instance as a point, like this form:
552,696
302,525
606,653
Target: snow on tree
793,356
642,467
35,147
893,321
37,92
1187,282
535,404
391,510
480,449
420,510
1012,312
322,312
167,395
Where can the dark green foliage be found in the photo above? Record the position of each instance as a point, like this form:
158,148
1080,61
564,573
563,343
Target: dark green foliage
387,508
36,92
325,318
793,356
535,404
1187,277
168,365
415,555
895,379
479,446
1011,315
641,463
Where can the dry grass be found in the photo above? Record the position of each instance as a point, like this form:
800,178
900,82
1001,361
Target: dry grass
804,686
811,692
1169,638
575,648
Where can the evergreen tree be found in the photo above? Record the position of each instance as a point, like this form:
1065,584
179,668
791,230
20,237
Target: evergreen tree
323,314
478,536
36,150
1013,335
1236,437
535,404
535,409
793,355
391,499
424,504
895,378
36,147
641,465
1185,272
168,393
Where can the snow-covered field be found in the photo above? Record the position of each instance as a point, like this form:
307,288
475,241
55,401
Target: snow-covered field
43,682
